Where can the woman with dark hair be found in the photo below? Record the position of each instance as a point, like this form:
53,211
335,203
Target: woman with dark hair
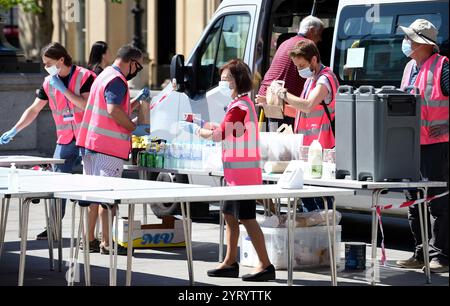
66,90
241,162
99,57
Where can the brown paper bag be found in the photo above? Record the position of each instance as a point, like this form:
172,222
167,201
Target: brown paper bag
275,105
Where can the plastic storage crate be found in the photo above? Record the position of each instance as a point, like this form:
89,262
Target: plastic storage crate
310,247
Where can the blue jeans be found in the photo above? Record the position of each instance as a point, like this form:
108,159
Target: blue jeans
70,153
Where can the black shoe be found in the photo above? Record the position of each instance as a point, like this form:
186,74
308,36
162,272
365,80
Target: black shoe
232,271
267,274
121,251
42,236
94,246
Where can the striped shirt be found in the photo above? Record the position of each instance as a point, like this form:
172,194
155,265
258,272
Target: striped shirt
282,68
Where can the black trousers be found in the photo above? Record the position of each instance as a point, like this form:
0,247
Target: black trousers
434,165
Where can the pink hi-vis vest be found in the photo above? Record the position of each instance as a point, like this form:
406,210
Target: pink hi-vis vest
434,103
316,125
241,155
99,132
67,115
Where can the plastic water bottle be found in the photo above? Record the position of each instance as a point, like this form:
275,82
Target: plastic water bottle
315,159
13,178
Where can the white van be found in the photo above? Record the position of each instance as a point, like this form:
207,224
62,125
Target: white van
251,30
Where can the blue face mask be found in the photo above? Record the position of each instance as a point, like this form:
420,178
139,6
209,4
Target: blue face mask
406,48
305,72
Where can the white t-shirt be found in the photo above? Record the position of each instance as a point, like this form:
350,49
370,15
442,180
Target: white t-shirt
323,80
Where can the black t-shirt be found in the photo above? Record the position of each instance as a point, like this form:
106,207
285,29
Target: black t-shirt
86,87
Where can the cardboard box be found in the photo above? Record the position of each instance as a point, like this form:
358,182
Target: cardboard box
168,234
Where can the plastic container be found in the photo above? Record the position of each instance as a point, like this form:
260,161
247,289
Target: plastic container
388,134
310,247
315,159
13,178
345,133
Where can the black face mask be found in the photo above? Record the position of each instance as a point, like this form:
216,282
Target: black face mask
130,75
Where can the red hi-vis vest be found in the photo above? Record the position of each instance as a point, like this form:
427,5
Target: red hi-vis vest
316,125
434,103
241,155
99,132
67,130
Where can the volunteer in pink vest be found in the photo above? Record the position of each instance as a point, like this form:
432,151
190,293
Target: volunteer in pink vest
282,68
241,162
66,90
105,132
428,71
315,106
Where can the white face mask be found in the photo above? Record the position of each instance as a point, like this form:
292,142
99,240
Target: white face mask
305,72
225,88
53,70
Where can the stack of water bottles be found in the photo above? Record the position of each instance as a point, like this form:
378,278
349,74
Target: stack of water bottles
193,155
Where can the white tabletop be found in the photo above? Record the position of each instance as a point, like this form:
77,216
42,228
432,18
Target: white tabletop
166,170
26,172
202,195
352,184
22,160
44,186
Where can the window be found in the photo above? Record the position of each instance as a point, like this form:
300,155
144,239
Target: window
369,53
226,40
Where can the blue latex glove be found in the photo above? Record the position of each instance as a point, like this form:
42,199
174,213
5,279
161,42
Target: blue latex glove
143,95
189,127
142,130
8,136
56,82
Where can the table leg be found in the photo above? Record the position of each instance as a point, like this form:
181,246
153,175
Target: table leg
59,231
143,176
111,248
77,248
20,217
116,243
4,221
375,203
423,219
187,235
23,244
221,232
87,265
72,271
290,240
221,225
130,244
50,237
331,242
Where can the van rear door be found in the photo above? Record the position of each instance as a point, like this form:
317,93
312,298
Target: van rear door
229,35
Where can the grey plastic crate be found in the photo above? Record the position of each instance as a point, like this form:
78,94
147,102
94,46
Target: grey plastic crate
345,133
387,134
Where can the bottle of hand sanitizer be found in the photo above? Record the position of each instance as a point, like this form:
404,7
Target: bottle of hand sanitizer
13,178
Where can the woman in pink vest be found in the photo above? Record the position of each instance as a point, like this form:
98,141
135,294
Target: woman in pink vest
241,162
428,71
66,90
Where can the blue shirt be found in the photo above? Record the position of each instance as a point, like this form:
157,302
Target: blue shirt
116,90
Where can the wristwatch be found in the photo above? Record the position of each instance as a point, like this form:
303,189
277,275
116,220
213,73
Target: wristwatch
282,95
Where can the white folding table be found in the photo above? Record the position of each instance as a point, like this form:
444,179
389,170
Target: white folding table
26,161
45,184
188,195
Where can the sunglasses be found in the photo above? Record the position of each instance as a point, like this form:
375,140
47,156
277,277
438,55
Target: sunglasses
139,67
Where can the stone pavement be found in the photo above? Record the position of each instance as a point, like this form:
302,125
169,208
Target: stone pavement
168,266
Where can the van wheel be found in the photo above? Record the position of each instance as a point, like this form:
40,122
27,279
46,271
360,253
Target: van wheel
198,210
166,209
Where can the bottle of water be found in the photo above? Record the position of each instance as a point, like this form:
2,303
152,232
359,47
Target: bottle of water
13,178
